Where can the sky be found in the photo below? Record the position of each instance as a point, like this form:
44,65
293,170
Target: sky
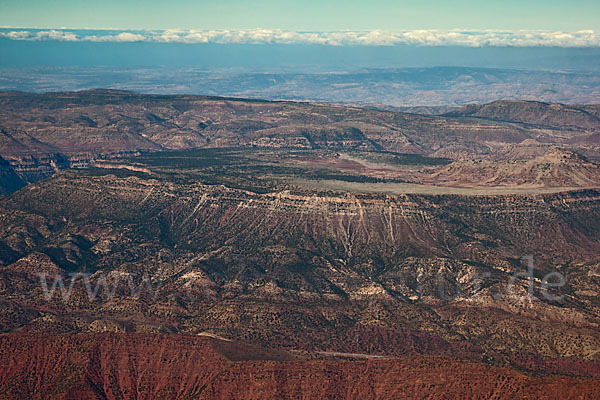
43,41
304,15
301,34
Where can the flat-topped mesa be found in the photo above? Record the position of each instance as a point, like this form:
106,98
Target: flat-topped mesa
204,217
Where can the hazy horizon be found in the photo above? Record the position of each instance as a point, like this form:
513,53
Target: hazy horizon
397,54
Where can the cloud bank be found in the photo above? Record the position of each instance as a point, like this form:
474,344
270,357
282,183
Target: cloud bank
523,38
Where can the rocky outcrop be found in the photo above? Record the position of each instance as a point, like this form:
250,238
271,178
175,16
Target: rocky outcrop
43,133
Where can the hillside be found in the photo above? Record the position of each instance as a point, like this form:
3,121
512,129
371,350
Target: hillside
555,168
534,113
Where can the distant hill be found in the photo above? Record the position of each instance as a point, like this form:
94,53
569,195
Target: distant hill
536,113
556,168
44,133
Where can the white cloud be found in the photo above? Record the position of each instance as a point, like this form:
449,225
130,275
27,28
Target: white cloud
16,35
121,37
582,38
64,36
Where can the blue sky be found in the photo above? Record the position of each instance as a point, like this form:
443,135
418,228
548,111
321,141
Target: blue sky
304,15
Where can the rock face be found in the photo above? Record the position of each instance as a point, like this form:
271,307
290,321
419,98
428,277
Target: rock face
113,366
10,181
355,273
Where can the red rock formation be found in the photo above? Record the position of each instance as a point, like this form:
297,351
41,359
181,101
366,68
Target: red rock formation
113,366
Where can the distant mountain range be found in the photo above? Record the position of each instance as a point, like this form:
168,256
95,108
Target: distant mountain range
389,88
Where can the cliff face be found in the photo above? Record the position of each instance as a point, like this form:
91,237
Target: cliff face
342,225
113,366
321,271
10,181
